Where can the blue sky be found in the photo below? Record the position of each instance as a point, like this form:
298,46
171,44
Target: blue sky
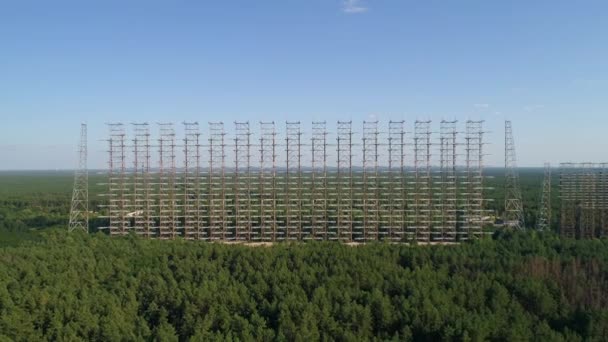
542,64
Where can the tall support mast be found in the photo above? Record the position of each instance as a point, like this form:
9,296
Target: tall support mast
79,210
568,190
371,194
514,211
142,187
168,197
192,181
118,202
217,182
446,199
588,181
292,201
242,181
267,182
396,184
544,213
344,181
319,201
603,200
421,203
476,133
471,219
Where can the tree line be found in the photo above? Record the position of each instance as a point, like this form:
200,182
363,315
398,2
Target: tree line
515,286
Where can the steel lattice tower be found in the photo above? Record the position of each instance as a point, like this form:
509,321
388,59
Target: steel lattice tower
422,183
568,198
267,182
371,191
544,213
447,183
242,181
293,181
471,222
142,203
118,192
588,182
79,210
192,181
217,182
344,182
603,199
514,211
168,196
583,200
396,181
319,220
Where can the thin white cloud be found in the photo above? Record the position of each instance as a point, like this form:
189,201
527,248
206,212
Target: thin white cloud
481,105
353,6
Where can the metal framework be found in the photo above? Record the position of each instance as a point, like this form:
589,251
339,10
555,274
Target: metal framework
543,221
292,184
142,205
319,202
471,220
421,204
446,199
395,185
242,182
584,200
118,203
192,181
568,197
168,197
267,186
588,200
514,211
216,184
371,182
602,198
267,182
79,210
343,190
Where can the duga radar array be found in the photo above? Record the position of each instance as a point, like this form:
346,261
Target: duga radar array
266,182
